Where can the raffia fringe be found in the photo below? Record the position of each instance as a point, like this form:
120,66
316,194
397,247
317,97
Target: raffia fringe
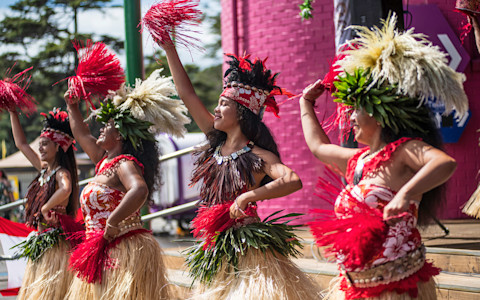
472,207
426,291
260,277
48,277
138,275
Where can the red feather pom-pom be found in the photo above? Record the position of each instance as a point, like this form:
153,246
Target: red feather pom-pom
357,238
98,72
13,94
210,221
171,18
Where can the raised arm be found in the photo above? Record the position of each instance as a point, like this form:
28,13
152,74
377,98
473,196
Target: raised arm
316,138
82,133
197,109
285,181
21,141
137,192
431,166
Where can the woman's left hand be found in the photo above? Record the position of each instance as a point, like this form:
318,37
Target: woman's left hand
237,209
111,232
399,204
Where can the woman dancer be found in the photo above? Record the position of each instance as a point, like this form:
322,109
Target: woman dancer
239,166
397,177
52,194
118,259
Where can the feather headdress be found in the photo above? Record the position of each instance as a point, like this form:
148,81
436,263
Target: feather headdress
408,61
141,112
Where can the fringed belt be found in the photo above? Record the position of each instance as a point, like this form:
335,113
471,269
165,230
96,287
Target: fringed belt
131,223
388,272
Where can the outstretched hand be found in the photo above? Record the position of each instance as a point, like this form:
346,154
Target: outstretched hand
313,91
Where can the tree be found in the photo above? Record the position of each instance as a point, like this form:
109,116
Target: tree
39,34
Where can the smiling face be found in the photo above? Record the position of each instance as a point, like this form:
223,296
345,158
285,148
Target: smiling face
109,136
366,128
226,115
48,149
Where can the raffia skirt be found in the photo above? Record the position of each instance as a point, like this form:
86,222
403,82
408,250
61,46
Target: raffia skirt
260,276
139,273
426,291
47,278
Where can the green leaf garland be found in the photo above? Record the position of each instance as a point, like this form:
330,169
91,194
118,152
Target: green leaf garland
35,245
381,101
230,244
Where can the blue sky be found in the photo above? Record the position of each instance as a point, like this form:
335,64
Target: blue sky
111,23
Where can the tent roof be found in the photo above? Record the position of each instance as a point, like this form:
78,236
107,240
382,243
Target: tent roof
18,160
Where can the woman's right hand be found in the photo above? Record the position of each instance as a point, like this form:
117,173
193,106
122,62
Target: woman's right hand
70,98
313,91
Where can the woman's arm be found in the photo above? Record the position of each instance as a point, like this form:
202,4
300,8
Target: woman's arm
137,192
21,141
197,109
476,29
60,196
316,138
285,181
431,166
82,133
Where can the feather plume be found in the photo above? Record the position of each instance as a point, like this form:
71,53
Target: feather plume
408,60
153,100
13,94
98,72
172,18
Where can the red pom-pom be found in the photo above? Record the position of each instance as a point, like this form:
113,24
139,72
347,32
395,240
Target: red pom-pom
171,18
13,94
98,72
210,221
357,237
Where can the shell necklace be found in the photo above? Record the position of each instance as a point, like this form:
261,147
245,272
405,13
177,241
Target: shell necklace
221,159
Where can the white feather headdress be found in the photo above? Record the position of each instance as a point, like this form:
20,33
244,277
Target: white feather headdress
151,100
407,60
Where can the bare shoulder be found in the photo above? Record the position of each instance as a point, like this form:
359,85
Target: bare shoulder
62,173
266,155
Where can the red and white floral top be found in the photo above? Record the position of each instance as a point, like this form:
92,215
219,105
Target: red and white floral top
98,200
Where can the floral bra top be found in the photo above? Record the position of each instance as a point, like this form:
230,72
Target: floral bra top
98,200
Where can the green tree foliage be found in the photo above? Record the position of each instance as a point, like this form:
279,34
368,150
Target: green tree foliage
38,33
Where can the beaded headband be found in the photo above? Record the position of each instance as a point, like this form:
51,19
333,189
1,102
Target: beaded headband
59,137
248,96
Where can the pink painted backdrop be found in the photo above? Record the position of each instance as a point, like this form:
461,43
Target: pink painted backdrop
301,52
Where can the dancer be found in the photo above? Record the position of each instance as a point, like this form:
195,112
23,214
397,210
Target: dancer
118,258
50,196
384,81
6,195
239,166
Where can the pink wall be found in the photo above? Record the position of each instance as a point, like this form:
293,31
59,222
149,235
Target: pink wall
301,52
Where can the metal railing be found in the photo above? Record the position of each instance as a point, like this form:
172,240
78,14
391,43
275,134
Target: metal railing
163,213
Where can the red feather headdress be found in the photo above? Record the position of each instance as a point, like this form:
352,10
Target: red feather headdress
13,94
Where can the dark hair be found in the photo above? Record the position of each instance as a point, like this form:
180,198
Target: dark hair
433,199
252,127
149,156
4,176
67,160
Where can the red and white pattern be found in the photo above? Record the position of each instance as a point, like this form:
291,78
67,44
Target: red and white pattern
253,100
98,201
402,238
63,139
11,234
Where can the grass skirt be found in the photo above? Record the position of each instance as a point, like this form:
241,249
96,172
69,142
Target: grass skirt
260,276
472,207
48,277
139,273
426,291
